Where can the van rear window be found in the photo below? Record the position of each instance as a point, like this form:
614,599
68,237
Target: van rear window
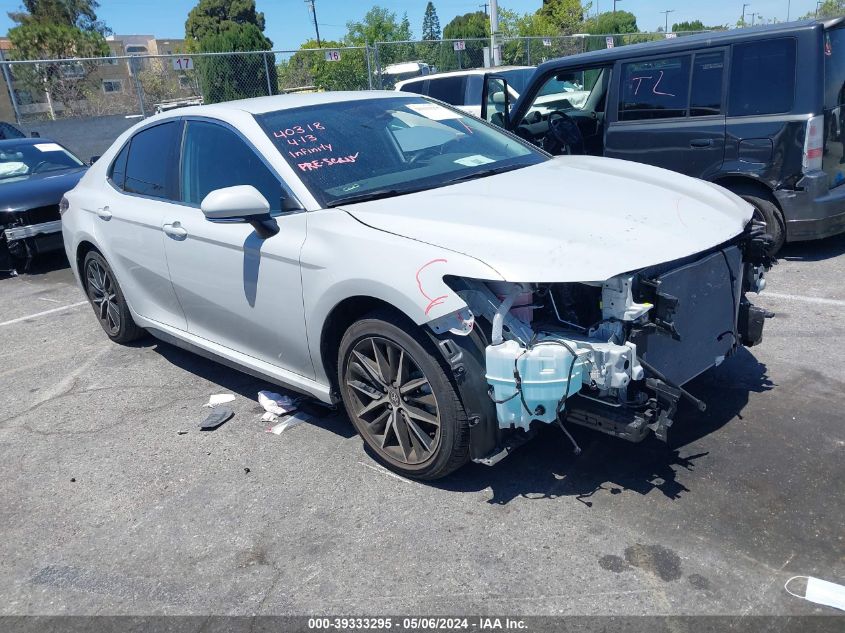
762,77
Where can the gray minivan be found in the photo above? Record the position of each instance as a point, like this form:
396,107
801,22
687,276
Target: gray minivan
760,111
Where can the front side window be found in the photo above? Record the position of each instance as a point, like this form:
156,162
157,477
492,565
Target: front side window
569,91
655,89
148,170
214,157
706,92
762,77
382,147
117,173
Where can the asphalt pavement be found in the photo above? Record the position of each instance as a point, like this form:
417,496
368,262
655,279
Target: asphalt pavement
112,501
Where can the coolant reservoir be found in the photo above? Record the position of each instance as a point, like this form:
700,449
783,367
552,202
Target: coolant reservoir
544,373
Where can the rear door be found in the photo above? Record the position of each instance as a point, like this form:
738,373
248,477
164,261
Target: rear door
670,112
129,214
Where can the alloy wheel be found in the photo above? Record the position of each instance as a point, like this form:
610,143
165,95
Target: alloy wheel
103,295
392,400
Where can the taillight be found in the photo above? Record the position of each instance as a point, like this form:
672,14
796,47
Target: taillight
63,205
813,144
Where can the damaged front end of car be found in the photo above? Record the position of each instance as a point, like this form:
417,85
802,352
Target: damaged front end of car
611,355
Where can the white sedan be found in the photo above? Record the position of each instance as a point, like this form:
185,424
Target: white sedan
452,285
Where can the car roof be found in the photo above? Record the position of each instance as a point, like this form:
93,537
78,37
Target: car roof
262,105
469,71
678,44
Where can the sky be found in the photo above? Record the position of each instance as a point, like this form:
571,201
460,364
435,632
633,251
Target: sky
289,21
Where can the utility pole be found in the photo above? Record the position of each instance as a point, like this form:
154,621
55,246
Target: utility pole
495,55
314,14
485,6
666,13
818,4
747,4
614,5
788,7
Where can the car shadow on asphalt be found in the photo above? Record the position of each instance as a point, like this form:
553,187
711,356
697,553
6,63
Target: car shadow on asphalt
42,265
814,251
546,468
232,380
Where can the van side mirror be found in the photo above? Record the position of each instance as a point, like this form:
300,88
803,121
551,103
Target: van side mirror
495,101
241,203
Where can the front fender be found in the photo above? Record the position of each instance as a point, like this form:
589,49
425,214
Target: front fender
343,258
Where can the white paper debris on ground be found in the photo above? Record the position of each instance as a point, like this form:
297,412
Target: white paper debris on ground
219,398
269,417
276,403
287,423
821,592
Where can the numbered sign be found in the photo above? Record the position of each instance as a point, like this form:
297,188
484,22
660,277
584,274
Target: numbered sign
332,56
460,45
183,63
609,41
547,42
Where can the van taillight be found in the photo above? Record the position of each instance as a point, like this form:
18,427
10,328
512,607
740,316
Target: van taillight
813,144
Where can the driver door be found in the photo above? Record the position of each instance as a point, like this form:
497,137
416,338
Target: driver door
236,289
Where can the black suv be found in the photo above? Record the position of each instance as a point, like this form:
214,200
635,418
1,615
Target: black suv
760,111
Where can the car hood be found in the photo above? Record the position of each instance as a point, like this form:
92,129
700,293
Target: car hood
573,218
38,190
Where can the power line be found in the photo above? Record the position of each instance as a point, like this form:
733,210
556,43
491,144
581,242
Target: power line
316,27
666,13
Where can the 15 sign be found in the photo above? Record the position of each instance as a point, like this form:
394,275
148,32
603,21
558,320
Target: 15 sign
183,63
460,45
332,56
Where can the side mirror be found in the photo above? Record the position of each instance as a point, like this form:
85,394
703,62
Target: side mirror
35,134
93,160
241,203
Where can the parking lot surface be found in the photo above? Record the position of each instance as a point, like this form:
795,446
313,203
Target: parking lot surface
113,502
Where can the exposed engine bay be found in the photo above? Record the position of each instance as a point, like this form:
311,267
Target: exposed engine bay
611,355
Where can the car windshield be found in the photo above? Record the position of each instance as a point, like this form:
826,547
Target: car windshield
19,160
374,148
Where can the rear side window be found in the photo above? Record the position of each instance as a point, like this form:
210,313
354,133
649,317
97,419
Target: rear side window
762,77
417,87
706,91
148,168
655,89
448,89
117,173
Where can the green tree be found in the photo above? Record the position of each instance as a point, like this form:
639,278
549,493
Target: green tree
828,9
56,29
212,17
431,23
565,15
695,25
610,23
228,77
310,69
469,25
378,25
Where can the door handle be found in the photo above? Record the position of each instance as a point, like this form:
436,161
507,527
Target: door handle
103,213
175,231
701,142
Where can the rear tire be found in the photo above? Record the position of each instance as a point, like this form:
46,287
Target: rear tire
400,398
107,299
765,210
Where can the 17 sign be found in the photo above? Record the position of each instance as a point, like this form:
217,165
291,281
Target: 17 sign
183,63
332,56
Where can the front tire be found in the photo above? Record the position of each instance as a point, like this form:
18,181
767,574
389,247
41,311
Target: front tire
107,299
400,399
766,210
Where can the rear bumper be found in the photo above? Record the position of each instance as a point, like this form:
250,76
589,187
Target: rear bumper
813,212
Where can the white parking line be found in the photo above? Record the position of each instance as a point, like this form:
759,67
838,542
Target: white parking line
45,313
805,299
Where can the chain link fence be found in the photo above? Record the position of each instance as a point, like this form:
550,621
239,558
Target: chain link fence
142,85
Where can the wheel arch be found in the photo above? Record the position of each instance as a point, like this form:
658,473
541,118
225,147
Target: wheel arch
748,184
84,247
339,319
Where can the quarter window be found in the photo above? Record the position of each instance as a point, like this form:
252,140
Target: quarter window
762,77
655,89
706,93
148,165
214,157
417,87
